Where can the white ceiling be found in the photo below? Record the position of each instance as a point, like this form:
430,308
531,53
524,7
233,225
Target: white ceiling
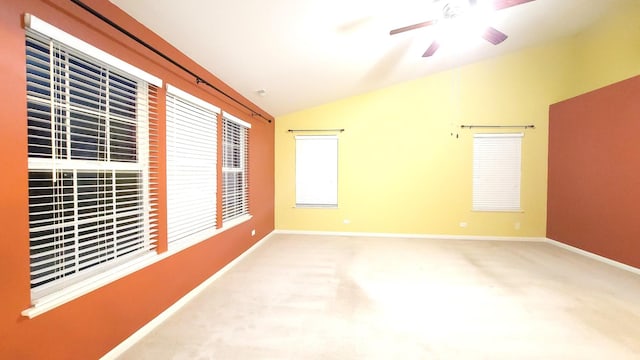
305,53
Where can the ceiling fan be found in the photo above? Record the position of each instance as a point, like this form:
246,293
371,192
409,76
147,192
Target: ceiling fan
453,9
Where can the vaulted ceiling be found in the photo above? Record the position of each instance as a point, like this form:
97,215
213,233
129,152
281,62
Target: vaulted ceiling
304,53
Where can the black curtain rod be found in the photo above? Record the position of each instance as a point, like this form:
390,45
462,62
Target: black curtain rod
199,80
497,126
315,130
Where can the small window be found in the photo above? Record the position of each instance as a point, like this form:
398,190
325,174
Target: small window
496,172
317,171
191,166
91,173
235,160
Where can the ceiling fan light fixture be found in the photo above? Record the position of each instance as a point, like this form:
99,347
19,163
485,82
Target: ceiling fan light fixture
462,32
462,22
456,8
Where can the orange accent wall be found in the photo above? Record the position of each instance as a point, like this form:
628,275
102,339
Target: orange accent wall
594,172
91,325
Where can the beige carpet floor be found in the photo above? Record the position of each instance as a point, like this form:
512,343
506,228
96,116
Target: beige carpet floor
325,297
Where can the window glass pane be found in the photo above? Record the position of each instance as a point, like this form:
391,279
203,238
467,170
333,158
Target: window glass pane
39,129
123,137
87,85
49,206
38,70
233,196
122,96
128,191
95,192
46,202
88,140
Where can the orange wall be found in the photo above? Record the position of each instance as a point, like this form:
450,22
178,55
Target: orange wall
91,325
594,172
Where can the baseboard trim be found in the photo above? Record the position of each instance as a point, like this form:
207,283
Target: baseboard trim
472,238
151,325
414,236
593,256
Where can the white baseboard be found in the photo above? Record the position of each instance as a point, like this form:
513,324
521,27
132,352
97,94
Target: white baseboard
469,237
593,256
148,327
415,236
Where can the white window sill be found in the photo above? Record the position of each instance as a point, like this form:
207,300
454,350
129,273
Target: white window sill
177,246
499,210
303,206
82,288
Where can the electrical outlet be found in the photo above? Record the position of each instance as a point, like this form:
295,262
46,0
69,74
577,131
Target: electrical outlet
516,225
346,221
253,232
463,224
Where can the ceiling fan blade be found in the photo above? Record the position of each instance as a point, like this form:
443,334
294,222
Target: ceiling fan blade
432,49
412,27
503,4
494,36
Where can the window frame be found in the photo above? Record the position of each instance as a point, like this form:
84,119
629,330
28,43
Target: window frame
233,212
66,286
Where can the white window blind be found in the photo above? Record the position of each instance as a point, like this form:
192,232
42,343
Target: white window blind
496,172
92,147
191,166
317,171
235,161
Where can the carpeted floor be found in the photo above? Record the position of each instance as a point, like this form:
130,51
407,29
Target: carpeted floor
324,297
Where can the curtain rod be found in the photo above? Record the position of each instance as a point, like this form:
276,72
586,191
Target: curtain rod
199,80
497,126
314,130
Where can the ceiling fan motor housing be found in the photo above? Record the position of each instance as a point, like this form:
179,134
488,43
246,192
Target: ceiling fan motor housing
455,8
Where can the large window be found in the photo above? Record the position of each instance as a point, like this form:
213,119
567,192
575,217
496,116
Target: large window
317,171
91,129
496,172
191,166
235,181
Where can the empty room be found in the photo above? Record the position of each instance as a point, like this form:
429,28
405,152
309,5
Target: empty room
409,179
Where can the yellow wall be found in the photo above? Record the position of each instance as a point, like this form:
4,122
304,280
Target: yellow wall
609,51
400,168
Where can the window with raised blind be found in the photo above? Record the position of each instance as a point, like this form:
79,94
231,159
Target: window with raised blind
235,181
92,144
496,172
191,166
317,171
